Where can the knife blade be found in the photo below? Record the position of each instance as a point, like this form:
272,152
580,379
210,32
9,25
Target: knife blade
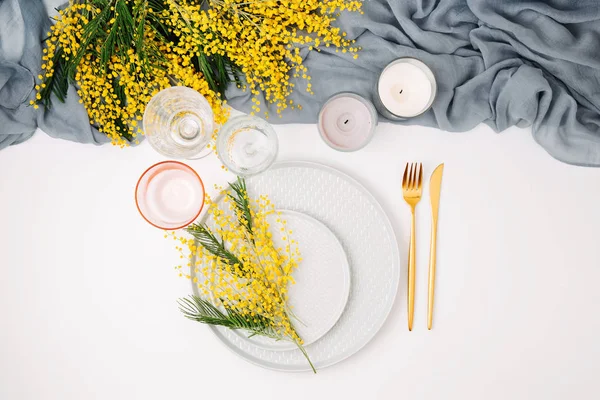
435,188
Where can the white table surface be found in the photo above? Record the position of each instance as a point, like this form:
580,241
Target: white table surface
88,289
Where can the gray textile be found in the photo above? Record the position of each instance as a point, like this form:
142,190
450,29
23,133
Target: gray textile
23,26
511,62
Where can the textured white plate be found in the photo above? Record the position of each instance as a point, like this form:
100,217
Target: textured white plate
322,280
360,224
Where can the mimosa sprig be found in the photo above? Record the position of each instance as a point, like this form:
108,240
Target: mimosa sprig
241,275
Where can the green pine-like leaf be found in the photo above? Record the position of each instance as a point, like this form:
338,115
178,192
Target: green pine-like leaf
241,201
132,19
201,310
216,247
198,309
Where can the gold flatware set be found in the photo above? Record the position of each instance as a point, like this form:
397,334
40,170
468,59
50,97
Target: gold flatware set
412,189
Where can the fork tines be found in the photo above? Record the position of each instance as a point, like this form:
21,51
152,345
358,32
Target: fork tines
413,176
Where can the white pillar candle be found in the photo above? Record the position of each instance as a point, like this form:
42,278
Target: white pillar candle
347,121
406,88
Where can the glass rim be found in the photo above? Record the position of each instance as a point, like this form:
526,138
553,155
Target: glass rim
156,165
151,136
269,131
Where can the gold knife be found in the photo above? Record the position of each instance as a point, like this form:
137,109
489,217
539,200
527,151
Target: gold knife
435,186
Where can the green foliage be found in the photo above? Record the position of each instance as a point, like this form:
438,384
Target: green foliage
239,196
119,27
200,310
213,245
208,240
58,83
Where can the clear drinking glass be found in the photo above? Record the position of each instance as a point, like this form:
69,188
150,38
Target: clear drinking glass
247,145
179,123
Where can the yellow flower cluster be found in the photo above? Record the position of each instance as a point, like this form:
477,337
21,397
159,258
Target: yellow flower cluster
115,97
256,285
173,42
264,38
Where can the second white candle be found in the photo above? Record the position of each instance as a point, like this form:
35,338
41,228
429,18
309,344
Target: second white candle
406,88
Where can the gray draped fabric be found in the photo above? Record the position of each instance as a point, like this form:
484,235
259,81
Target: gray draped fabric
23,27
504,63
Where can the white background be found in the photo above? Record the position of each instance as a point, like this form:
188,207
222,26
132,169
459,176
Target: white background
88,289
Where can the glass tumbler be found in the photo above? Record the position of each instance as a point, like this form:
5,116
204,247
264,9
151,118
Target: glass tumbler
179,123
247,145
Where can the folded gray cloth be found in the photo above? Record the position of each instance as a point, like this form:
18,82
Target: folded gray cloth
514,62
23,27
510,62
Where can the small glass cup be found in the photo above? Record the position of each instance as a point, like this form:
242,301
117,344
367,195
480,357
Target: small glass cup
247,145
170,195
179,123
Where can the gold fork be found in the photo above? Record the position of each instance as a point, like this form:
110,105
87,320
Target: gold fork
412,184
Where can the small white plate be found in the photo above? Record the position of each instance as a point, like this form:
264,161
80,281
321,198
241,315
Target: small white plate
322,285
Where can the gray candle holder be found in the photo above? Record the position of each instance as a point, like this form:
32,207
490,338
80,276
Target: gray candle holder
374,119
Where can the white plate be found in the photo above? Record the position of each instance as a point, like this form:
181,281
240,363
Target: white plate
360,224
322,281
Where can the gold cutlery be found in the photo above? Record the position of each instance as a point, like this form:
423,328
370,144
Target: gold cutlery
412,184
435,186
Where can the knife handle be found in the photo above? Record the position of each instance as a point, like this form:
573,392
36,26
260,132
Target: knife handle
432,251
